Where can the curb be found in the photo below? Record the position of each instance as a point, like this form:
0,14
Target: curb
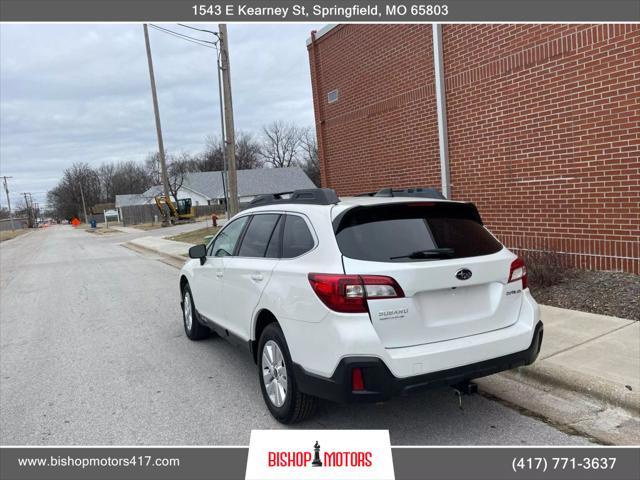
173,259
611,393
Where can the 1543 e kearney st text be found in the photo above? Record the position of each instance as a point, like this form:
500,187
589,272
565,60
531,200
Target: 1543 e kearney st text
284,12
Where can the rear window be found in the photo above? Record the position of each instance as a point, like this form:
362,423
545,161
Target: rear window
297,238
413,232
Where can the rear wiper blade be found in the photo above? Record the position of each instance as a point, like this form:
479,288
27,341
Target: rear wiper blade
432,252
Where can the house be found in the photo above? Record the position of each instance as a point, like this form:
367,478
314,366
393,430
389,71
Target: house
207,188
99,208
131,199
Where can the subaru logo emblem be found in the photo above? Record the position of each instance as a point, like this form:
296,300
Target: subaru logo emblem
463,274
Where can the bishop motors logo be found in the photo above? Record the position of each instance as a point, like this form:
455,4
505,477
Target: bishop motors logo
330,458
316,458
319,455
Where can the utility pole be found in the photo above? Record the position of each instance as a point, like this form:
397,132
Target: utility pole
36,214
26,202
84,207
34,217
230,140
156,111
224,152
6,191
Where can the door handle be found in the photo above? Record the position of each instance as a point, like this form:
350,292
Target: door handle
257,277
219,274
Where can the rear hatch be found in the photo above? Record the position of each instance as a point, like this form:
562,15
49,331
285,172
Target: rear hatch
453,272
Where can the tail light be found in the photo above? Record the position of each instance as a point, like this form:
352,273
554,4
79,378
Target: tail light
357,379
349,293
518,271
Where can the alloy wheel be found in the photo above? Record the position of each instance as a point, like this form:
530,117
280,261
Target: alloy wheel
188,311
274,373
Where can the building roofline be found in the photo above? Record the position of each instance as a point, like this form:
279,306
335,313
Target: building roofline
192,190
195,191
323,31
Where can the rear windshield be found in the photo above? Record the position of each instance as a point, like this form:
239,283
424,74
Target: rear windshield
413,233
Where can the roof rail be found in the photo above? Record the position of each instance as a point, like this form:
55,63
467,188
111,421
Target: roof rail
309,196
426,192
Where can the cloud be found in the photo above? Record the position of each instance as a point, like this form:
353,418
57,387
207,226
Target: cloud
80,92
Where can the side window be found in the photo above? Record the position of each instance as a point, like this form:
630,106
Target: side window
296,238
255,240
225,242
273,249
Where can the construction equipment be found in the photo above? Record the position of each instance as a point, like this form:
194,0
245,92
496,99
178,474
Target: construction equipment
182,212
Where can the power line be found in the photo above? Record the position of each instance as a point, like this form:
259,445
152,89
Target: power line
200,29
184,37
187,38
216,34
168,30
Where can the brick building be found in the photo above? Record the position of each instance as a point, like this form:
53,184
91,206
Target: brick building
542,126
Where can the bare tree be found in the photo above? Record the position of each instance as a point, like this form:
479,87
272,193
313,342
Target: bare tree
212,159
177,169
99,185
282,144
128,177
152,166
65,198
20,209
247,154
248,151
311,159
106,172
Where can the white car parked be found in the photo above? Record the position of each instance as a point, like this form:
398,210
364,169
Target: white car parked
361,298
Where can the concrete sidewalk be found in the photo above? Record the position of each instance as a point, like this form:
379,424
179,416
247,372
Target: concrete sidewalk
586,379
163,246
126,229
171,252
595,354
169,230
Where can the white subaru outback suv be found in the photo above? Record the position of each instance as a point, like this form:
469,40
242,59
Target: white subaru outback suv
361,298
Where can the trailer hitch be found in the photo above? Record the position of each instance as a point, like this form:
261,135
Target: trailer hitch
466,387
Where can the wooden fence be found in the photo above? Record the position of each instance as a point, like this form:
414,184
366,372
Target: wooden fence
5,223
136,214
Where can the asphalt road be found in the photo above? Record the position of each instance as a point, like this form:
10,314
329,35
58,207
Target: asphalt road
92,352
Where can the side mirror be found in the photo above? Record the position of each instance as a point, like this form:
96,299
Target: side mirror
198,251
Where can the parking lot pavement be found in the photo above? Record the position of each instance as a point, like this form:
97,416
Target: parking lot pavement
92,351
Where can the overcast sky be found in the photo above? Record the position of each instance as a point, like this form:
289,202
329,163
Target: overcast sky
80,92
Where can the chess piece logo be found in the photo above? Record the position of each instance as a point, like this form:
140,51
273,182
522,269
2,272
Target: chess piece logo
316,455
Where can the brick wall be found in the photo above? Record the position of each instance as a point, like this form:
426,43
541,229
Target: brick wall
383,86
543,127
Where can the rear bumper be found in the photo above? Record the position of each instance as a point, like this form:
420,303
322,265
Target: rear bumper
381,384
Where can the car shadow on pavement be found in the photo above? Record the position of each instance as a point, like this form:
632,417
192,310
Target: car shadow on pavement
434,417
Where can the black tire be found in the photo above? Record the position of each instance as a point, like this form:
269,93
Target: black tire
297,406
194,329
